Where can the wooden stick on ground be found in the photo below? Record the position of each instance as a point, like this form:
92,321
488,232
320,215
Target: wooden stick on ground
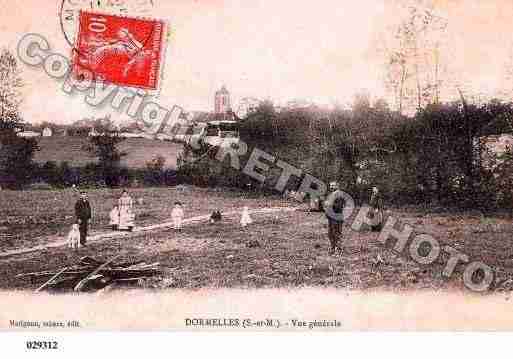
35,274
51,280
71,270
81,284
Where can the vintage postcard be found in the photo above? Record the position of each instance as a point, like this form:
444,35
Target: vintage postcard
272,166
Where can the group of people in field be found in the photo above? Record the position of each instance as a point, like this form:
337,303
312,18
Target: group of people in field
122,216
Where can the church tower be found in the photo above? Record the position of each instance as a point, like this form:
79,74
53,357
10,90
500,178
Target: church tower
222,101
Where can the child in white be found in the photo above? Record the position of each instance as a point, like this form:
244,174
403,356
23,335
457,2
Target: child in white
177,216
114,218
245,219
74,237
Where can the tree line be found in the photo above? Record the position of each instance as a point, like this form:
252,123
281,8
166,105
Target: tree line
434,156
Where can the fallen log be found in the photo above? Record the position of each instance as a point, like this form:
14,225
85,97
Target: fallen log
113,272
91,274
142,266
52,272
51,280
89,261
120,274
131,279
81,284
129,264
35,274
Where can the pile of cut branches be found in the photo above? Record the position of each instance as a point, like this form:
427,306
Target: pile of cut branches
92,275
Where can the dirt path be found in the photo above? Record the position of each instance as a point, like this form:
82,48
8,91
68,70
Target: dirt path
104,236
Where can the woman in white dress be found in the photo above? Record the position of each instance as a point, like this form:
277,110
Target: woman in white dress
126,214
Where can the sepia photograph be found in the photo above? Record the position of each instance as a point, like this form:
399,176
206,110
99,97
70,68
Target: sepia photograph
271,166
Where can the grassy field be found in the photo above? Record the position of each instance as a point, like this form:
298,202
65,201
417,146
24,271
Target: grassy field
140,151
29,218
286,249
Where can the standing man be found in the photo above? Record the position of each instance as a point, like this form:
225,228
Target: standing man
83,215
376,205
334,208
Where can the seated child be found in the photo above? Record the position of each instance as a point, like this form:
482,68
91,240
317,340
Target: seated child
215,217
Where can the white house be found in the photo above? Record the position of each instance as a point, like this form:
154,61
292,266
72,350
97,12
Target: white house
94,133
47,132
29,134
130,135
494,146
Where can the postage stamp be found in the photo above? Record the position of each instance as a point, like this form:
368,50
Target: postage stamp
125,51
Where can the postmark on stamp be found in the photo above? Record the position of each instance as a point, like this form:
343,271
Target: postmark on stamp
125,51
70,11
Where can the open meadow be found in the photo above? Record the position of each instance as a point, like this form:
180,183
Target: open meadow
139,151
281,249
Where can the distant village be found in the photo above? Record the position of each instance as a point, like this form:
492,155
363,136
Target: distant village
83,128
223,111
90,127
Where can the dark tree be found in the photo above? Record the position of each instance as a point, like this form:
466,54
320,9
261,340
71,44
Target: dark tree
16,157
105,148
16,153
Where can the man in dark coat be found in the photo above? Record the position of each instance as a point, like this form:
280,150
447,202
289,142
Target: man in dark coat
83,215
376,205
333,208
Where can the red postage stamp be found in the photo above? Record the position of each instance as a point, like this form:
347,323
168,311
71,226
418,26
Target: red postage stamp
121,50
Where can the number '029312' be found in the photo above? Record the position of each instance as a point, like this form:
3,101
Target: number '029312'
43,345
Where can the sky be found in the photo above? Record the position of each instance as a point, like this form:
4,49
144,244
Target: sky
323,50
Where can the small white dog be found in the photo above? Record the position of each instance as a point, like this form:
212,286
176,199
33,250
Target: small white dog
74,237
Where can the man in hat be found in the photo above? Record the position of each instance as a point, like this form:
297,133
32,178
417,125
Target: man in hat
333,208
83,215
376,205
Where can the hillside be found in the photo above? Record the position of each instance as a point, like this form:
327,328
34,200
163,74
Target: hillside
70,149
